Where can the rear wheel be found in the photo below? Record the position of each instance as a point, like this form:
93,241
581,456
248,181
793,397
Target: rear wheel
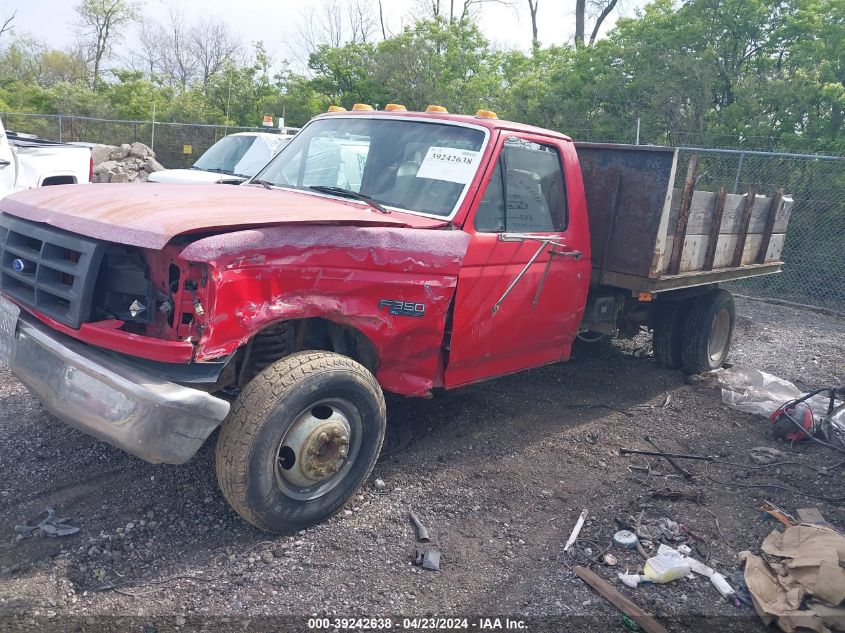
302,437
667,341
708,331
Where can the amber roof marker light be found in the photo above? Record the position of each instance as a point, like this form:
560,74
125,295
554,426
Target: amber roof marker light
362,106
486,114
334,108
437,109
395,107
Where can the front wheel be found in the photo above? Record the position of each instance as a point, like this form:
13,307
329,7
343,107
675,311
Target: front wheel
708,331
302,437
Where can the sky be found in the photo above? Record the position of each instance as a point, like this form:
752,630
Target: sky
277,22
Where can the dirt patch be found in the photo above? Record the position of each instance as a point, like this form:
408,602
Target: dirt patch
498,472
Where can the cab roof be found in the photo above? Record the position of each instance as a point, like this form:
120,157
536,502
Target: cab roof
491,124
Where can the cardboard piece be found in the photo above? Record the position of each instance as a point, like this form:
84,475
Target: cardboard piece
810,570
815,553
812,516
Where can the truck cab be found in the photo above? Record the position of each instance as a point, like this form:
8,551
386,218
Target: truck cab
27,161
378,251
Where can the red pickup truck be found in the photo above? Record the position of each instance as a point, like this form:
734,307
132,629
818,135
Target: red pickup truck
378,251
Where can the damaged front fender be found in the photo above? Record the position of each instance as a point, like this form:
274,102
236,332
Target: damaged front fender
393,285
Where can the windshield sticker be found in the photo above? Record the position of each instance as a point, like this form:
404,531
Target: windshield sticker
448,163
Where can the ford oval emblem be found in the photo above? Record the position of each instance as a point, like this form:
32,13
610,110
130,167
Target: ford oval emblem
18,265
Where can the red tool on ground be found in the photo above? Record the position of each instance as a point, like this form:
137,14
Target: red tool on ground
794,420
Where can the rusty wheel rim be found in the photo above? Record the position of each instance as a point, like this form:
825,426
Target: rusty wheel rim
318,450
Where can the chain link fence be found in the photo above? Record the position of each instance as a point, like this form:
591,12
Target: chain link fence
176,145
814,254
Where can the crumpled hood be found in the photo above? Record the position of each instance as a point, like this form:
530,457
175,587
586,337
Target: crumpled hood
150,215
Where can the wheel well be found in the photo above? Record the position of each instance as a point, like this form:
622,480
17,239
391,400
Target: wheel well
281,339
58,180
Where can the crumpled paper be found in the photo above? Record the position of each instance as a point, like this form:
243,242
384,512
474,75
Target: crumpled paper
809,569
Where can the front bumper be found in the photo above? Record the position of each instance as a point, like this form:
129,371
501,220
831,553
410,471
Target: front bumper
152,418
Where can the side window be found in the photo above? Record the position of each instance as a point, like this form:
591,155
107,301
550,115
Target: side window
530,177
490,215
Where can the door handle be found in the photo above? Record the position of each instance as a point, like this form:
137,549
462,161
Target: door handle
576,255
4,163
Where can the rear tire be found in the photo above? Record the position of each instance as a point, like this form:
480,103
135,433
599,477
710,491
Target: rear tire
708,331
667,340
302,437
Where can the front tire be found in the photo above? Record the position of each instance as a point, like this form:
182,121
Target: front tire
708,331
302,437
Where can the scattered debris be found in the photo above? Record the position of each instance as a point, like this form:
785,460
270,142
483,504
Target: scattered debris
797,421
663,528
429,558
665,568
422,532
803,568
812,516
763,455
722,586
741,588
770,509
51,526
379,484
625,538
678,495
610,560
760,393
631,580
575,530
634,451
643,619
686,474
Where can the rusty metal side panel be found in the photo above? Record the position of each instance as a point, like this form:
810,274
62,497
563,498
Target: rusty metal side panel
636,182
353,276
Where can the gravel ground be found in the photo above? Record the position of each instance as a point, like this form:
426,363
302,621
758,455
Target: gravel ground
498,472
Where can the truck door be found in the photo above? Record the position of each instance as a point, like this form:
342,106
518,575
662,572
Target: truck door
7,165
523,284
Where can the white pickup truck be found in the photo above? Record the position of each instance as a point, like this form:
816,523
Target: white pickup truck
27,161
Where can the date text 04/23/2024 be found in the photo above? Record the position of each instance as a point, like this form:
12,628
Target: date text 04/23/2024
417,624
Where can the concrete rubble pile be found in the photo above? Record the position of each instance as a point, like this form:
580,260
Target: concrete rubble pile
126,163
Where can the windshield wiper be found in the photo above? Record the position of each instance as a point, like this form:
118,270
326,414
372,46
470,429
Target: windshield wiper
348,193
263,183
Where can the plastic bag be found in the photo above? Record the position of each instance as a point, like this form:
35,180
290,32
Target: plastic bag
761,393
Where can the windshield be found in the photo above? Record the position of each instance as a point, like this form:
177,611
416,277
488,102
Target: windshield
238,155
411,165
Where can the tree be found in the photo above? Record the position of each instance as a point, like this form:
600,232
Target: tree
601,9
458,10
441,62
381,20
150,48
178,58
8,25
100,23
532,9
338,22
214,46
